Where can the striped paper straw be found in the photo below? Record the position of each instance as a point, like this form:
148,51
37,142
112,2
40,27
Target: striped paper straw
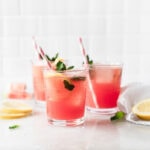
88,76
41,53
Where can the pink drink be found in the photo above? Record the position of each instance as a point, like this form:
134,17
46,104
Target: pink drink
65,107
106,80
38,82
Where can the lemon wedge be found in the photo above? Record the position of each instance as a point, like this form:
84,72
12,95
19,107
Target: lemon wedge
14,109
142,109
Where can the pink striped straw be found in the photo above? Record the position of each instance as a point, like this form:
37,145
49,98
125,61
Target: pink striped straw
36,47
88,77
45,58
40,52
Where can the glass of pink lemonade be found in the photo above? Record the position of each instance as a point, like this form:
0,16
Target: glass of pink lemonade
38,81
65,96
105,80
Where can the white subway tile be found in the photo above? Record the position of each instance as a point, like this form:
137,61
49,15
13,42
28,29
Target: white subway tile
11,47
144,68
17,70
33,7
114,44
77,25
114,6
132,6
145,23
20,26
145,7
131,62
131,24
1,26
145,44
115,24
96,25
9,8
97,7
78,7
53,25
131,44
44,8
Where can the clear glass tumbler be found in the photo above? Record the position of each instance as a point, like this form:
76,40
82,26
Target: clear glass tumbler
105,80
65,95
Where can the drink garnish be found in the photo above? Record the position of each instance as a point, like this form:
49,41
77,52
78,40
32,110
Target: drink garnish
14,126
60,66
90,62
118,116
53,58
68,85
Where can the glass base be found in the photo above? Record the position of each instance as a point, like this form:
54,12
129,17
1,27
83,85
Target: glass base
73,122
102,111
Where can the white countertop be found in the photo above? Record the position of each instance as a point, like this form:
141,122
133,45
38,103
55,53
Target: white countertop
98,132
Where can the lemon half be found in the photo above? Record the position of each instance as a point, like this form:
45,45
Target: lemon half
142,109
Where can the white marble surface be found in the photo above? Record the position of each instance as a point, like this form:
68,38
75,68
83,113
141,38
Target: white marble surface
97,133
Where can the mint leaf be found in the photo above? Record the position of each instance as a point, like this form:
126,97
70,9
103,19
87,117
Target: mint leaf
14,126
70,67
60,66
77,78
53,58
68,85
118,116
90,62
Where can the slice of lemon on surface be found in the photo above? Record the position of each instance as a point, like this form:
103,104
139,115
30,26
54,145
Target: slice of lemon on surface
13,106
142,109
4,115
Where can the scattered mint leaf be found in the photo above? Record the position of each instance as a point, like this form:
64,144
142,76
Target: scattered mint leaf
118,116
14,126
68,85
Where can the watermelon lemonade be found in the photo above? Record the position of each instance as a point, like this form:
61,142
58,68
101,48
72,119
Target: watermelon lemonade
105,80
38,81
65,95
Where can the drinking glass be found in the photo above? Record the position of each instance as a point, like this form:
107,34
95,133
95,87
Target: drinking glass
38,81
105,80
65,96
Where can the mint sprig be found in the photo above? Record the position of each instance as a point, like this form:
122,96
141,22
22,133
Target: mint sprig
60,66
118,116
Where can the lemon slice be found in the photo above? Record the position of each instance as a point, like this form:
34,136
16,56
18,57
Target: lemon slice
13,107
142,109
4,115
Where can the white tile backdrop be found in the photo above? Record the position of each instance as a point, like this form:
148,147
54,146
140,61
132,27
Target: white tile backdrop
109,28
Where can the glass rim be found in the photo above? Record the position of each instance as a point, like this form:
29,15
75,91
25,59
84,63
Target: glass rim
63,71
107,64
